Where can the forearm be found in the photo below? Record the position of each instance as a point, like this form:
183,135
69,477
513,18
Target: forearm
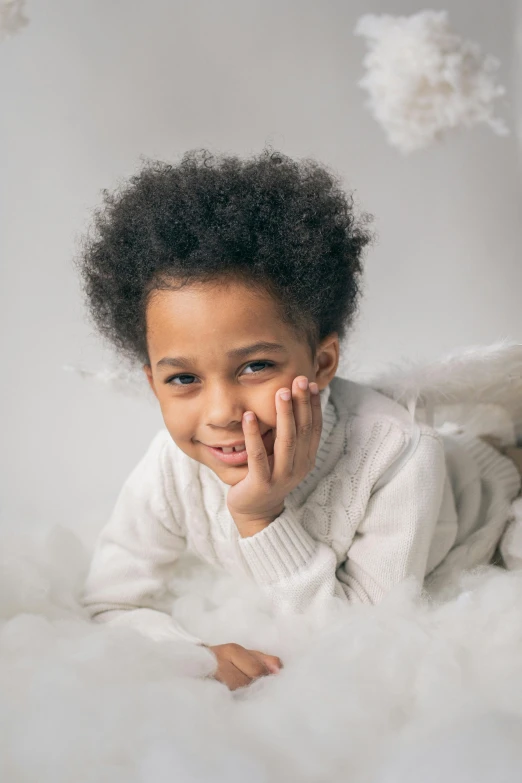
249,526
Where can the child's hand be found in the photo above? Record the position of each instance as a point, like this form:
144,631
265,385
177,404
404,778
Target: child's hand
238,666
255,501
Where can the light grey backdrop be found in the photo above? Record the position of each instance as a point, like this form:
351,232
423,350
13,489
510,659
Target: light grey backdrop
87,88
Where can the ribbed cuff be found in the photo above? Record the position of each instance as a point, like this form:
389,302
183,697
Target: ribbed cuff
279,550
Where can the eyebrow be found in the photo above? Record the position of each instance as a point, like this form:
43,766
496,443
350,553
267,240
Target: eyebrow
236,353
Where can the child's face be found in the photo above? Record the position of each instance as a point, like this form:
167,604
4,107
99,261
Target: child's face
203,398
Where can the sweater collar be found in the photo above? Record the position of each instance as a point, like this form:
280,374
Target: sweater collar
324,394
330,417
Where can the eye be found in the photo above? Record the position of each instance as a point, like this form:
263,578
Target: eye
253,364
183,376
175,377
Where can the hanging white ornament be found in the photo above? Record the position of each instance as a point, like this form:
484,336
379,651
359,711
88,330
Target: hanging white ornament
12,17
424,80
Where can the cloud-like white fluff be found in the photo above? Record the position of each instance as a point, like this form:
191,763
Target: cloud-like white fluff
423,79
12,17
128,381
409,690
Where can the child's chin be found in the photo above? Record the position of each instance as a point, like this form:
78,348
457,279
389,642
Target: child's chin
231,474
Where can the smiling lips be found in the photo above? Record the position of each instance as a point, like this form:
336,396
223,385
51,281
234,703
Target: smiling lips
230,456
234,447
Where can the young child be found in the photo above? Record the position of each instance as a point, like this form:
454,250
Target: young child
234,283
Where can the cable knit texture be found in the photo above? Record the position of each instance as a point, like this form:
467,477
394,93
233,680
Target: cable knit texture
388,498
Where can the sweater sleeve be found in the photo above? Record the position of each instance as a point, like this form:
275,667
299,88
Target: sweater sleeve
135,555
391,542
394,539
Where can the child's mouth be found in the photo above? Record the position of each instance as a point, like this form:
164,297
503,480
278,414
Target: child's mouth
240,457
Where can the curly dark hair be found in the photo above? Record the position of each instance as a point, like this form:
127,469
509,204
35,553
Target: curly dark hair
280,226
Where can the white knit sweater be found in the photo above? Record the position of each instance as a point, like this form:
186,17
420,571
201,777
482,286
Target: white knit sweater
388,498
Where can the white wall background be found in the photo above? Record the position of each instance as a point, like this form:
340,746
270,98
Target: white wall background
88,88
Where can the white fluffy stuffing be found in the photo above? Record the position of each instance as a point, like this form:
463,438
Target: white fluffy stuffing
122,378
423,79
409,690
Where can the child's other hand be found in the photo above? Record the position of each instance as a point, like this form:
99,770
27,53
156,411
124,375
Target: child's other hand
258,499
238,666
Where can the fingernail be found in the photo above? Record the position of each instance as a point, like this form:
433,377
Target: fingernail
303,383
249,416
285,395
314,388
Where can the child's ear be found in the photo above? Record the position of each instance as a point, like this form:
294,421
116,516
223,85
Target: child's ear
148,372
327,359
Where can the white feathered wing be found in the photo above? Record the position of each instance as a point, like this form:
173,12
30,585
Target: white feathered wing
479,387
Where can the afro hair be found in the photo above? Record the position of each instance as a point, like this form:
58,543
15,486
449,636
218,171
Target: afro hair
281,226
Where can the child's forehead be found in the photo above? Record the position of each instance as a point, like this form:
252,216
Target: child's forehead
211,307
205,321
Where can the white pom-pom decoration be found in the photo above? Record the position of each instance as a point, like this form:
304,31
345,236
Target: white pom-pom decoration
12,17
423,79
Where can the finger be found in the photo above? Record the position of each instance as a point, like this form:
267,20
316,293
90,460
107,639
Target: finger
303,425
256,453
284,444
249,662
231,676
272,662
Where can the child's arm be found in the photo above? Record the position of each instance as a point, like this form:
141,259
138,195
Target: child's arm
391,543
394,539
135,554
